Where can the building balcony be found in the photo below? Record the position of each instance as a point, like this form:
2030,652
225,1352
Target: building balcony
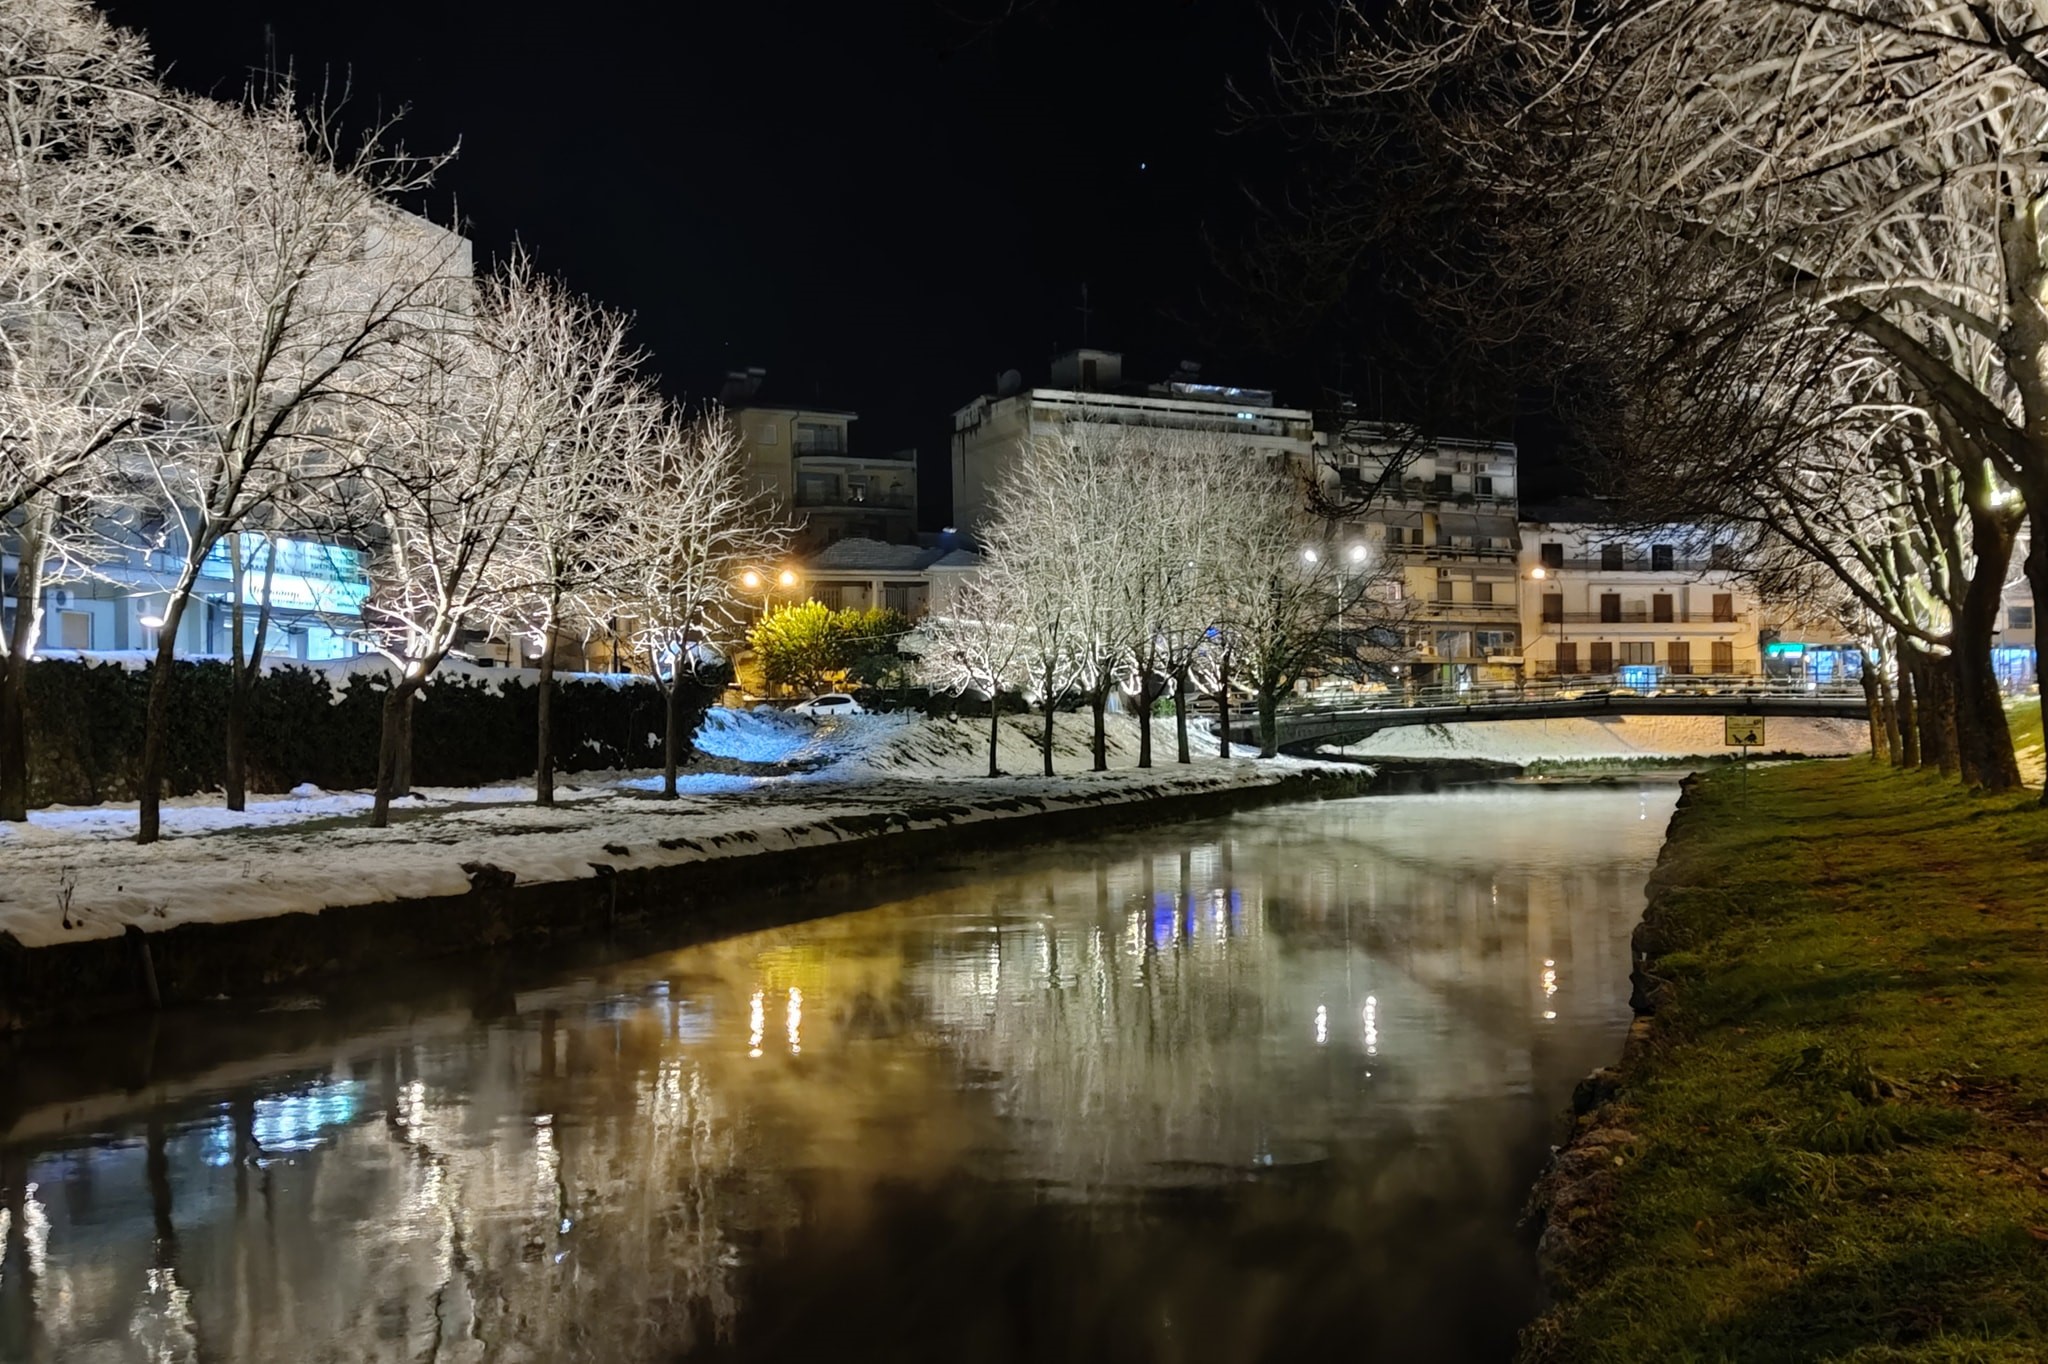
1491,610
1637,620
903,459
1449,554
1644,564
866,502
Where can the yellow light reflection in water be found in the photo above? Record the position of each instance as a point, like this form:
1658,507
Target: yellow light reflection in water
794,1016
757,1021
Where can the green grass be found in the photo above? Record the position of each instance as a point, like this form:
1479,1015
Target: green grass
1839,1129
2023,718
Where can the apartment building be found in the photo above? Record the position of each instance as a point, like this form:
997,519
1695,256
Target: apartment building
1603,599
803,456
1443,512
1088,388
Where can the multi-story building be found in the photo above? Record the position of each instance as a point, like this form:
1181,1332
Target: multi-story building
1087,388
802,455
1443,512
2014,653
1605,599
859,574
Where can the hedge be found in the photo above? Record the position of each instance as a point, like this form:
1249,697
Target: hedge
85,726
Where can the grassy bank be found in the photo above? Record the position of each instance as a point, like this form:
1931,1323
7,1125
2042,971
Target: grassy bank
1832,1144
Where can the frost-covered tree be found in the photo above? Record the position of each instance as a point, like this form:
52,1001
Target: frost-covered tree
580,362
90,143
978,646
691,524
305,292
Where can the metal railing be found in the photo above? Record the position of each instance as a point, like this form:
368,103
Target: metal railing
1647,618
839,501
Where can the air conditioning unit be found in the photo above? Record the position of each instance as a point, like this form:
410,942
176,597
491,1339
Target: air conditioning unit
60,598
1443,573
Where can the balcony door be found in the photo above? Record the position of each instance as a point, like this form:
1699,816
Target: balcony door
1603,657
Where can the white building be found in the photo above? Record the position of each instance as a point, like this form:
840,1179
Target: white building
802,455
1606,600
1087,388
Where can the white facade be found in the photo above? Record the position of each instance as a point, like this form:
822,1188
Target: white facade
991,434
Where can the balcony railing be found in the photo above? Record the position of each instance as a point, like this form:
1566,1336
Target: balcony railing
1451,554
847,502
1645,618
1436,606
1643,564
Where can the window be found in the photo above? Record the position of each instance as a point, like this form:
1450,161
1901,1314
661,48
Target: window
74,629
1724,607
2019,618
1482,592
1442,486
1661,558
1724,656
818,438
1638,652
1681,656
1610,606
1603,657
1443,589
1721,556
1610,556
1483,485
1567,657
1553,608
1492,642
764,434
1553,556
1660,607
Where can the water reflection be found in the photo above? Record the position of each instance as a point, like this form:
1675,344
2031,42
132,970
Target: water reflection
1263,1086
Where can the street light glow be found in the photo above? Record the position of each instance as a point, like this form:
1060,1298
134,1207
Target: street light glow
788,578
1308,556
1357,554
152,622
1537,572
750,579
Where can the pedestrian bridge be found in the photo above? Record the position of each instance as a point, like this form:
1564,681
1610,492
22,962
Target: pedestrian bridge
1304,728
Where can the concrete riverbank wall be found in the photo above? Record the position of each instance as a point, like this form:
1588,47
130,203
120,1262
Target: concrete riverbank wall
247,958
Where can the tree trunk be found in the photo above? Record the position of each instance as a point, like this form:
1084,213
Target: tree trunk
1098,744
149,782
1269,721
236,780
13,737
391,743
1873,709
405,764
1180,716
1907,710
2036,565
544,759
1144,710
995,730
1045,739
671,732
1223,711
1983,739
1937,715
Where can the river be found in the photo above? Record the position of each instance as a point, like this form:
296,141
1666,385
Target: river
1265,1087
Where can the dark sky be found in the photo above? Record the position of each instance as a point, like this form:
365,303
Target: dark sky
884,204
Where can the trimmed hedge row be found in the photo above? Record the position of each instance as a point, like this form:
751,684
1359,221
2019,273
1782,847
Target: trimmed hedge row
85,727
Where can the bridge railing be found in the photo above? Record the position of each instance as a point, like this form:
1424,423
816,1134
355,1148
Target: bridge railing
1582,688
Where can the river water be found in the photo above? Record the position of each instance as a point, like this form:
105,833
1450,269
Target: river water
1260,1088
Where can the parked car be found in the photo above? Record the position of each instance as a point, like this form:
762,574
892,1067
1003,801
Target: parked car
831,703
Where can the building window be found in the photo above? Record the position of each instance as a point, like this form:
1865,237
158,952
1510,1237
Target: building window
1603,657
1661,558
1444,590
1567,657
1553,556
1483,485
1660,607
1482,592
1724,656
1610,606
1724,607
1492,642
765,434
1638,652
1553,608
1442,486
819,438
1681,656
1610,556
1721,556
2019,618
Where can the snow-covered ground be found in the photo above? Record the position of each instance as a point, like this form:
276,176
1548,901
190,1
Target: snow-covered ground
1596,737
774,781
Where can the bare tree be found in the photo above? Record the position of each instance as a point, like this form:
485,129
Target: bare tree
979,645
690,523
580,363
305,286
89,142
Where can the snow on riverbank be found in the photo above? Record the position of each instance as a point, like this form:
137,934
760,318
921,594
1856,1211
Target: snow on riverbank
72,874
1595,737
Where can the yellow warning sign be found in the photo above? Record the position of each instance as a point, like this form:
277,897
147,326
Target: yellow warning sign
1745,731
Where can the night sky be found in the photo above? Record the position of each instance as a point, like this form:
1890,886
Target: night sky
885,205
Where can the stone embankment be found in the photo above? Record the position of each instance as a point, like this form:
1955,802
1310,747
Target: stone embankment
735,880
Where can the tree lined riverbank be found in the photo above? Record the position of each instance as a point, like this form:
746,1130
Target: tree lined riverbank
1831,1141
